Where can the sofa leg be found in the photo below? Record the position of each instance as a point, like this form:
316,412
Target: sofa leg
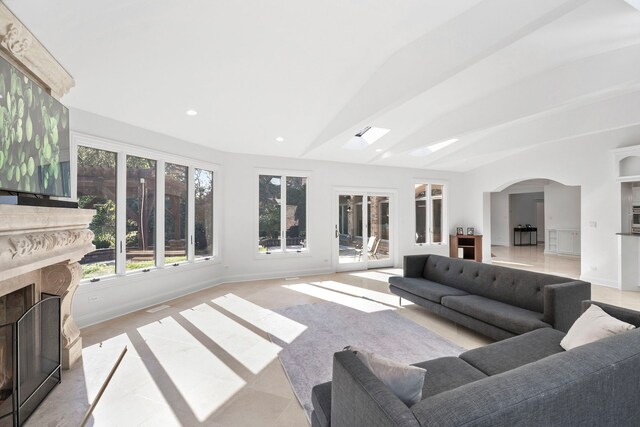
400,301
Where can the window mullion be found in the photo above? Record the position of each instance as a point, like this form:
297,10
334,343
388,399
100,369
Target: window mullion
429,214
283,213
160,225
121,212
191,212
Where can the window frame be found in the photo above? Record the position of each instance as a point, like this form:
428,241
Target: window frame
123,150
283,174
429,212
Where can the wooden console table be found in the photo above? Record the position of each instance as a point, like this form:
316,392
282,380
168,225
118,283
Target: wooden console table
471,246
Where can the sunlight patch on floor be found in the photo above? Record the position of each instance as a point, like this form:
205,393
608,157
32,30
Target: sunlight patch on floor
361,304
357,291
269,321
372,275
99,358
511,263
203,381
248,348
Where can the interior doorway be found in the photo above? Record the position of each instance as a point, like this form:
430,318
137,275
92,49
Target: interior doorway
535,225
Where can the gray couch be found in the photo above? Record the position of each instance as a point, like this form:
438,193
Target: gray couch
498,302
528,380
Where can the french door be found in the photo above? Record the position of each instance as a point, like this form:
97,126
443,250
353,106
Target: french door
363,230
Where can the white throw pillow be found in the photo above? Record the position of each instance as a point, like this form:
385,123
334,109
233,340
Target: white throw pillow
593,325
405,381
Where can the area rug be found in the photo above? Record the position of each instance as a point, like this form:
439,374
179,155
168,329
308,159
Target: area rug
308,359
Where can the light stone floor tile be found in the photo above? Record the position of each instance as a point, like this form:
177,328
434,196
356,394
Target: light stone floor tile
180,372
256,407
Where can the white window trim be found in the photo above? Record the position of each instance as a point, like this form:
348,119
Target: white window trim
283,173
123,150
429,213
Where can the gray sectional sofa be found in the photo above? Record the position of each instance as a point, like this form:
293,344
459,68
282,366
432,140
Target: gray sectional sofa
527,380
498,302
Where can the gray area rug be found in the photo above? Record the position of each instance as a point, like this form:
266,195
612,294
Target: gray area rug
308,360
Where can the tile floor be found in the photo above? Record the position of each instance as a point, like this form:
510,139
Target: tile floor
206,359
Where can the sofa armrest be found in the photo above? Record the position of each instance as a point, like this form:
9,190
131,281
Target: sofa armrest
414,265
562,303
360,399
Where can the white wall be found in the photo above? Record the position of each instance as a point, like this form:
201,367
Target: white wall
523,208
562,206
238,183
241,207
585,161
500,233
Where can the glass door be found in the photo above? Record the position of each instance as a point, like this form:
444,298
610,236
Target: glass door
363,231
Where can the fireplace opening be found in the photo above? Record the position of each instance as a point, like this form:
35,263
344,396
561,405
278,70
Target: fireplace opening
30,353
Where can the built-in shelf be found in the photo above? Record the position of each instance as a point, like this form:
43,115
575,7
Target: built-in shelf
563,241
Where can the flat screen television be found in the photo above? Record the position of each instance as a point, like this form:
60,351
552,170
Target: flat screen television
34,137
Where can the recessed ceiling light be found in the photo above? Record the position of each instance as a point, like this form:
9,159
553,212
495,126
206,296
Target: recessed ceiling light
192,113
379,150
425,151
365,137
279,139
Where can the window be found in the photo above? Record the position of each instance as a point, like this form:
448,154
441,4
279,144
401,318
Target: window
141,213
282,213
97,190
151,212
203,180
175,213
430,214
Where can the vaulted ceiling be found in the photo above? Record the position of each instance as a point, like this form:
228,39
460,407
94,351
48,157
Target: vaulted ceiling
500,76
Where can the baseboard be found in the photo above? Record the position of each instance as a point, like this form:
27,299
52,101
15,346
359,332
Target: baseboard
96,317
100,316
600,281
276,275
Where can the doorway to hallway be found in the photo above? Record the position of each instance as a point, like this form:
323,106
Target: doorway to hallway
535,224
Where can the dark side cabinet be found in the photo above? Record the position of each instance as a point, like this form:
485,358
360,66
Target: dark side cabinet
471,246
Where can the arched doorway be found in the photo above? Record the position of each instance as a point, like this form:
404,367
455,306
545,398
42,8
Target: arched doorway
535,225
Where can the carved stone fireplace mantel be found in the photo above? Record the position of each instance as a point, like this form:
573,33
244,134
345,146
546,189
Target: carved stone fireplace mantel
42,246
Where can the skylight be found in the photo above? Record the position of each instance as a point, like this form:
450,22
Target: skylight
425,151
365,138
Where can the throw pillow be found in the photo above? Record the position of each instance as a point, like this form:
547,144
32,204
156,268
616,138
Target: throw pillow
405,381
593,325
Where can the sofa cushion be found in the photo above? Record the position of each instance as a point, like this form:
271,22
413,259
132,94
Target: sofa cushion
447,373
321,400
425,288
505,316
514,287
405,381
594,324
592,385
515,352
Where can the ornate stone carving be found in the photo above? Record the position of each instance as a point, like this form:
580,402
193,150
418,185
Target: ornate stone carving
31,244
14,41
63,280
42,245
21,46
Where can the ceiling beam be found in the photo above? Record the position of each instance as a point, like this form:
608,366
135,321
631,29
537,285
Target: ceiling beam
465,40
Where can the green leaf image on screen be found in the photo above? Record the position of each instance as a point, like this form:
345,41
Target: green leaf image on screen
34,137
